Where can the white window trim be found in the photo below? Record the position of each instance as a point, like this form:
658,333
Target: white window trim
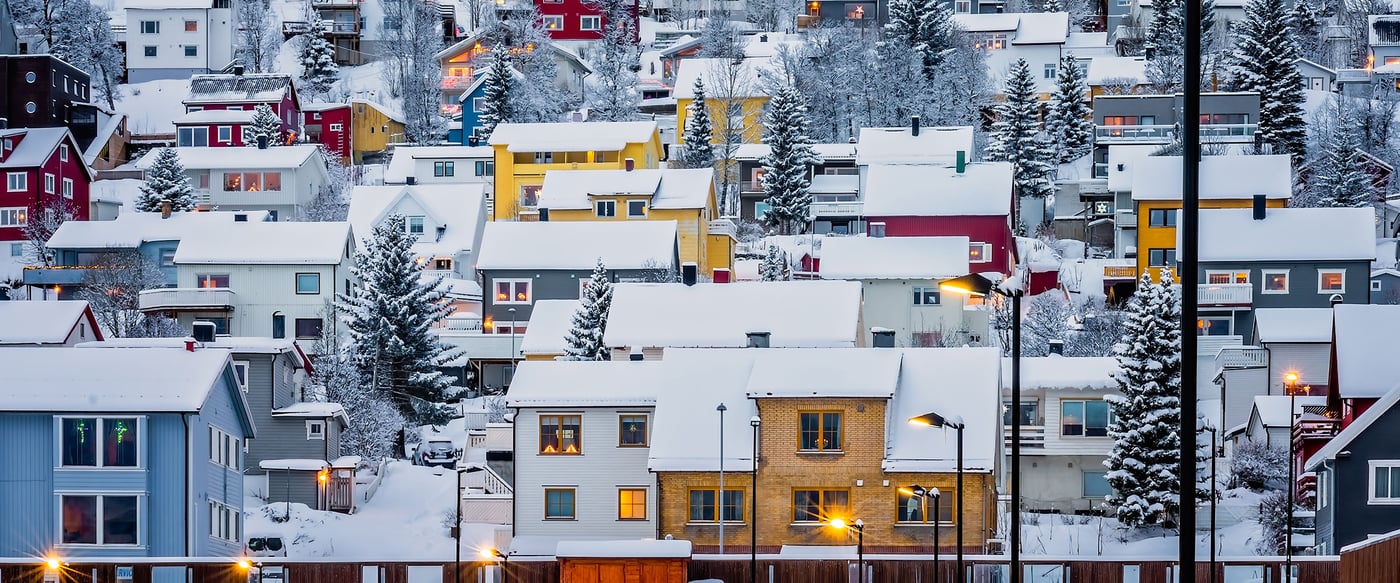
585,18
217,512
22,177
63,153
599,205
100,520
335,127
49,183
225,134
100,434
67,188
1230,273
529,291
247,368
1371,498
1375,285
216,448
1264,281
637,216
986,252
546,19
315,435
1322,272
408,222
21,212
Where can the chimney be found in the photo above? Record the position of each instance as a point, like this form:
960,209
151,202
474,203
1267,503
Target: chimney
882,337
164,209
688,272
262,142
1057,347
629,164
411,180
758,339
238,70
636,354
877,230
914,126
721,275
4,123
189,345
1259,211
240,218
962,161
203,331
763,38
544,214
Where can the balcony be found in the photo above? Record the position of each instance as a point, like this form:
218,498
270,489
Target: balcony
1229,132
1163,134
176,299
1225,294
1031,436
60,275
1242,357
853,208
1120,272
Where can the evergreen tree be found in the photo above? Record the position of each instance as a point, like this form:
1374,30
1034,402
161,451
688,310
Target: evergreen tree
1341,179
775,265
496,102
1167,29
166,181
787,166
699,132
1016,135
1143,461
390,322
615,96
374,421
924,27
265,124
85,41
1070,123
584,341
318,68
1307,29
1052,6
1265,60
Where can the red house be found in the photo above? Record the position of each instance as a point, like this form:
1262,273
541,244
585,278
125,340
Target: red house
576,19
43,169
328,124
936,200
219,105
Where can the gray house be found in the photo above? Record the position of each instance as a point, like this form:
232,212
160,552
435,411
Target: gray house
1385,286
1272,262
1358,478
1230,118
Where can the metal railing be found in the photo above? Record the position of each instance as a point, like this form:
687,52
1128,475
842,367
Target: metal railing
462,323
1242,357
845,208
186,298
1120,272
1031,436
1225,294
1224,132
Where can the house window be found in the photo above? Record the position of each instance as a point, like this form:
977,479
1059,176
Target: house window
979,252
916,509
819,431
1275,281
413,225
223,448
100,520
926,296
542,157
962,6
1049,72
1161,257
148,50
167,258
590,23
223,521
1084,418
63,153
485,168
1385,481
1096,484
444,168
702,505
150,27
252,181
48,183
1030,413
631,504
512,291
279,326
211,280
17,181
1161,217
820,505
993,42
315,430
67,188
632,431
220,324
1213,326
308,283
17,249
13,216
308,328
186,137
225,134
636,208
240,372
605,208
442,264
1226,277
337,127
1331,281
191,26
559,434
191,50
559,503
1376,285
478,104
552,22
99,442
530,195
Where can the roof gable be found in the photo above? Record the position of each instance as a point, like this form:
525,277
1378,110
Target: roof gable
129,380
577,245
36,146
37,322
1357,427
1363,341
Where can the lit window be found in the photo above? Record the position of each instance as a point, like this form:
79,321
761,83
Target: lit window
820,505
979,252
559,434
919,509
632,504
559,503
1275,282
1213,326
1224,277
99,442
100,520
211,280
1331,281
513,291
820,432
552,23
632,431
191,26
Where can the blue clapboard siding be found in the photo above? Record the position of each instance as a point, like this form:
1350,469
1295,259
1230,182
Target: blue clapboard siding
26,484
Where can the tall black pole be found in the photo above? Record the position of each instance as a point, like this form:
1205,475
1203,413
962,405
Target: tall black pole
1190,252
958,513
457,530
1213,452
937,500
753,509
1288,538
1015,506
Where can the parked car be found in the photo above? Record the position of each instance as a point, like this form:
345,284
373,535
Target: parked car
265,545
437,452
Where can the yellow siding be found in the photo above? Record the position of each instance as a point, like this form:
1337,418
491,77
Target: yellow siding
753,118
511,176
694,241
367,130
1149,238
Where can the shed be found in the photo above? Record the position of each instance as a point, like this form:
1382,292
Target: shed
624,561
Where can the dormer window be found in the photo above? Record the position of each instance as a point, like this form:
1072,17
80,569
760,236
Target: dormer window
605,209
414,225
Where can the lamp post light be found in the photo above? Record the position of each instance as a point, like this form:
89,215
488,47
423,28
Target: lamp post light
923,495
719,499
935,420
859,527
1290,384
492,554
974,284
754,422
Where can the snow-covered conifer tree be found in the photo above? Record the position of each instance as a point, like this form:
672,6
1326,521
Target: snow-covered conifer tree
1167,29
265,124
1265,60
699,132
85,41
166,181
924,27
495,89
774,266
1016,136
584,341
390,322
536,97
1070,123
1307,29
374,421
787,166
615,96
318,68
1341,179
1143,461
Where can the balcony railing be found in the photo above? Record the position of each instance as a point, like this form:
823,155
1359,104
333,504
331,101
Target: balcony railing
186,298
1120,272
1242,357
853,208
1031,436
63,275
1224,132
1225,294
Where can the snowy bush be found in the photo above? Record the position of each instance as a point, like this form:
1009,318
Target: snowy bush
1258,466
1273,520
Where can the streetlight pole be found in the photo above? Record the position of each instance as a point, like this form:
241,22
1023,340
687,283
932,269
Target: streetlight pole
936,495
859,527
512,345
457,528
719,499
753,505
1290,382
936,420
1213,452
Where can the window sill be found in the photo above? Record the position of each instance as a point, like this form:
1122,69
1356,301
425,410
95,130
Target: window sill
560,519
543,454
814,452
99,468
726,523
1383,502
923,524
632,445
97,546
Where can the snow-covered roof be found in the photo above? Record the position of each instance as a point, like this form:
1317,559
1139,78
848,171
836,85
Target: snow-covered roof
577,245
955,383
460,208
562,383
1125,156
1076,42
229,88
1357,427
835,184
933,145
894,257
193,158
313,410
235,344
827,152
1363,342
1056,372
130,229
1221,177
403,164
550,321
1293,325
626,549
685,433
572,137
714,72
1273,409
1002,22
35,148
120,191
125,380
41,322
161,4
1387,254
216,116
1030,28
983,189
824,372
794,313
1103,69
1350,234
266,243
668,188
294,464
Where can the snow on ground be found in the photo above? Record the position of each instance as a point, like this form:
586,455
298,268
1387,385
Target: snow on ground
152,107
1067,535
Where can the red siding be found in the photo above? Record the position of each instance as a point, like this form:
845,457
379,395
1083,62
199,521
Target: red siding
336,142
572,11
34,196
286,109
979,229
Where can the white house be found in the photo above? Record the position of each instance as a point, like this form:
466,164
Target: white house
1269,422
448,220
442,165
899,278
279,179
582,437
57,323
259,279
1037,37
173,39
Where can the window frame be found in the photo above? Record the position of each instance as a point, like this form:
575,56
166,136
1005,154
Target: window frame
824,514
1264,280
220,526
419,221
985,250
100,445
719,506
922,293
1232,274
1083,476
621,431
154,27
444,168
337,127
1321,273
225,134
607,204
20,214
315,429
1168,258
66,187
947,495
1084,418
150,51
191,25
546,19
1050,70
638,215
63,153
201,278
50,183
242,379
573,503
583,20
1391,466
1168,218
510,298
632,505
1376,285
191,51
298,278
99,519
13,178
821,431
559,424
296,328
225,449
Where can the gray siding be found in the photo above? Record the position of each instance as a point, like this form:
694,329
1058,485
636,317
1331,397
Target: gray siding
1302,287
547,285
214,482
292,486
272,385
1389,292
1351,517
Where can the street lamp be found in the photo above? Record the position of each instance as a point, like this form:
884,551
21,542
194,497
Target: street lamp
753,505
935,420
457,524
512,344
1290,384
923,495
719,500
1213,453
976,285
859,527
492,554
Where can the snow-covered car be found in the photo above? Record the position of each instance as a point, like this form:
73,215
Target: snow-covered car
265,545
437,452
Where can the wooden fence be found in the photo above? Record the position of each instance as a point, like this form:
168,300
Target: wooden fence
1373,561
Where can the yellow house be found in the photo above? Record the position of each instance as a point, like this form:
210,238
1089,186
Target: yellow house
372,128
1225,182
524,152
726,82
686,196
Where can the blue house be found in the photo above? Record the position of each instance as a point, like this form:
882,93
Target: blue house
473,101
121,452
